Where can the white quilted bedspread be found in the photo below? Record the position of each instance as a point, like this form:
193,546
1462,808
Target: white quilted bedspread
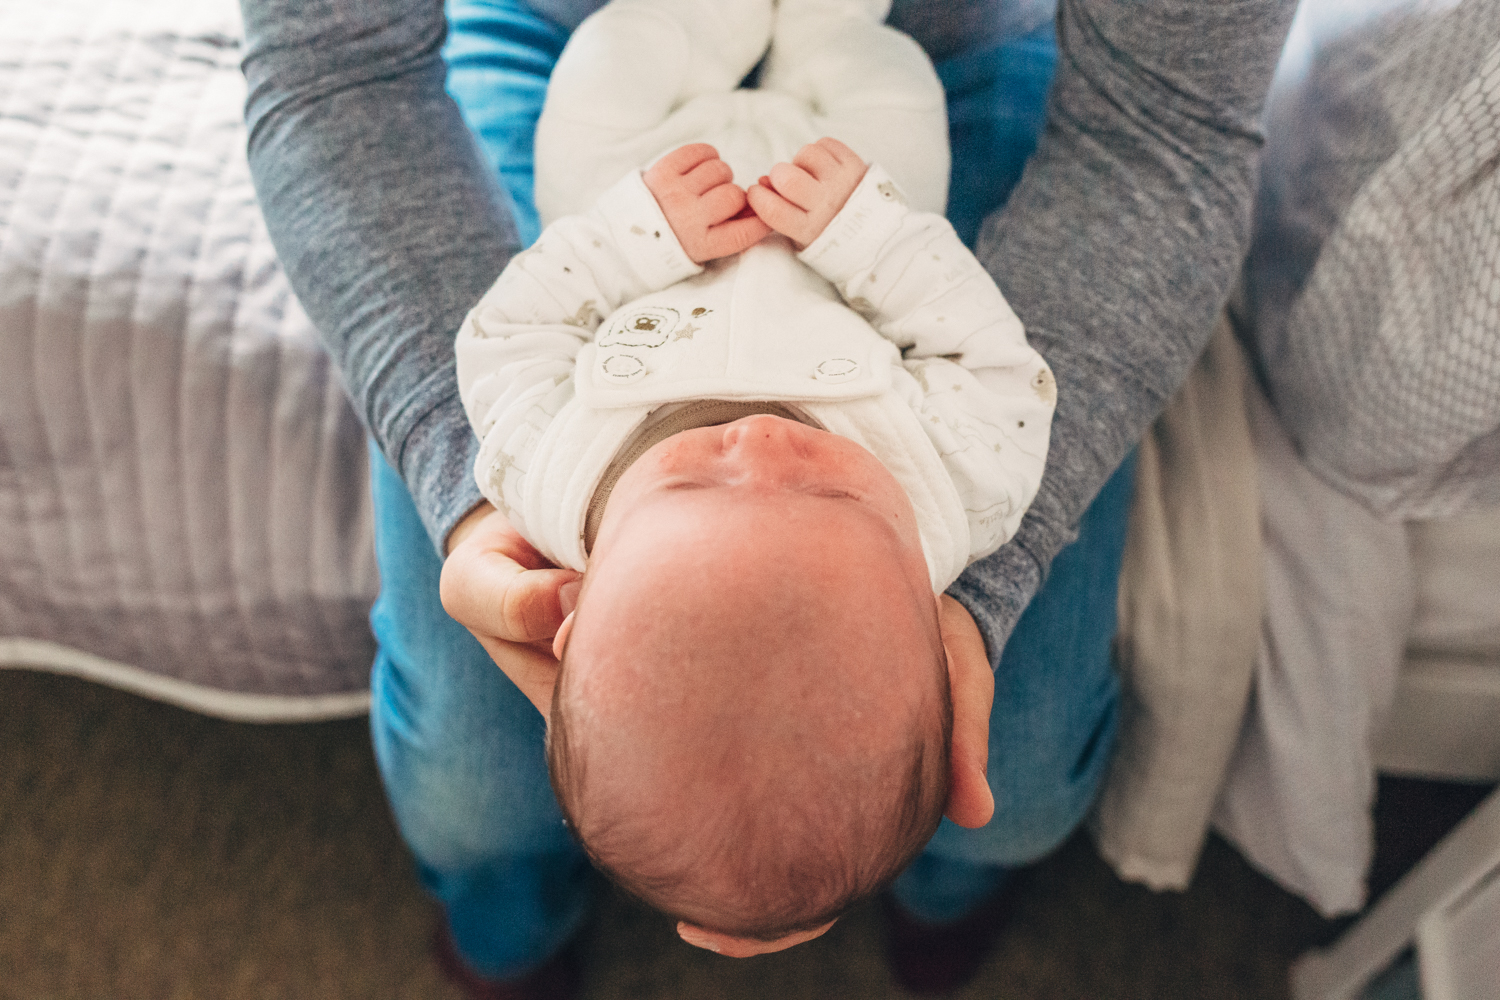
183,499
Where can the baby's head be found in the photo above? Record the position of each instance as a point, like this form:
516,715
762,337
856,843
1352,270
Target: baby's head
751,726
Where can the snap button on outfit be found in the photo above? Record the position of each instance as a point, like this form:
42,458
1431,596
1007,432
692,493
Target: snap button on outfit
836,370
622,367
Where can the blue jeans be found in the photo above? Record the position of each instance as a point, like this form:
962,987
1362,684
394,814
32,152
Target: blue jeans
460,748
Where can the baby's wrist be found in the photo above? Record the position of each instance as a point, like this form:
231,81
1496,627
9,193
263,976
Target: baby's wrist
644,234
873,212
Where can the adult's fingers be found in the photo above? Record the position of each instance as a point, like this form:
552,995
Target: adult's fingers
491,594
738,947
972,683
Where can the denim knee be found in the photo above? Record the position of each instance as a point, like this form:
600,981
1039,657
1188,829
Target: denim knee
460,749
464,770
1040,797
1039,806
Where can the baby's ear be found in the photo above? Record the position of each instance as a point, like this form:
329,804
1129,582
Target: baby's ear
736,947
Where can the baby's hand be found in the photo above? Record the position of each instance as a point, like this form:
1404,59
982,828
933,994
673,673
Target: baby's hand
800,198
697,194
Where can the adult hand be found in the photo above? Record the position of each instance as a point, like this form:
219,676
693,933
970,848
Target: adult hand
972,683
800,198
510,597
705,208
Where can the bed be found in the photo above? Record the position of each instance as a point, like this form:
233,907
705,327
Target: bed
183,500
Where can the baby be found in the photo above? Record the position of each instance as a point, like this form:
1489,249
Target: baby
771,426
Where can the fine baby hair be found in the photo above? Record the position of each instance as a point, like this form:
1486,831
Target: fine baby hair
745,765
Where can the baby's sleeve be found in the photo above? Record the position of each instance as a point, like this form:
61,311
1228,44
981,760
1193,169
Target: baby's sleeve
517,347
984,396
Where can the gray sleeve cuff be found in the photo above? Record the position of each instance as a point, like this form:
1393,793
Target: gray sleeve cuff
437,465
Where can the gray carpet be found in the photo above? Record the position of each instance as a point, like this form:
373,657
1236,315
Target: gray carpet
147,852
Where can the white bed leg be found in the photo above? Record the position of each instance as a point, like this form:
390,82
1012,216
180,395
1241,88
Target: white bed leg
1461,860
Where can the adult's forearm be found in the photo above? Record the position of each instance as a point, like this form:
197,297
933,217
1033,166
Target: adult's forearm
1120,244
389,223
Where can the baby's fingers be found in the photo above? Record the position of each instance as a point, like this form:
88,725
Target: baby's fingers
682,174
827,155
817,160
795,185
721,203
683,159
778,213
736,235
709,174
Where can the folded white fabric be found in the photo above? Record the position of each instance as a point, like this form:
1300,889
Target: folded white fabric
1189,623
1338,605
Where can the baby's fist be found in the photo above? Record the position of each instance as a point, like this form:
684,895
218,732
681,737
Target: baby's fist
800,198
704,207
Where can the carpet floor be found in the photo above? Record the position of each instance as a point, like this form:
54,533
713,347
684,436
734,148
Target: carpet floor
148,852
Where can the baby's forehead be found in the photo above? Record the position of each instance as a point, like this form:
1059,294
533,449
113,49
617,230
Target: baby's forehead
745,602
677,682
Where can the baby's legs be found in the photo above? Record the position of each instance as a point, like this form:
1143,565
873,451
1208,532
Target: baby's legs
867,85
625,72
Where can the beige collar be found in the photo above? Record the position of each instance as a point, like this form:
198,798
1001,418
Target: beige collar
674,418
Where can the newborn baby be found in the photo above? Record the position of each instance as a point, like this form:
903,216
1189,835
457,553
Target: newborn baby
770,426
751,725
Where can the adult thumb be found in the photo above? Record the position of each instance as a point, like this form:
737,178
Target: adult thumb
491,594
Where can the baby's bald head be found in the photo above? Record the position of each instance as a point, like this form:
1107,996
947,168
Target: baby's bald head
752,722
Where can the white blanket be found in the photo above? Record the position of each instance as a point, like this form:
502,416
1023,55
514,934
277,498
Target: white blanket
1371,298
183,498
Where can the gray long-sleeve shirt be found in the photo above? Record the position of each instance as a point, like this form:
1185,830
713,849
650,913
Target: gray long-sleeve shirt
1116,249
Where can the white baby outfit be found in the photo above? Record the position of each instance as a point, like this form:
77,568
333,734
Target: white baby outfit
884,330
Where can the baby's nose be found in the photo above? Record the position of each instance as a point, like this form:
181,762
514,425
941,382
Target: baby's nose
762,431
764,445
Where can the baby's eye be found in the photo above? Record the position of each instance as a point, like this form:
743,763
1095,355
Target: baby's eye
835,494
